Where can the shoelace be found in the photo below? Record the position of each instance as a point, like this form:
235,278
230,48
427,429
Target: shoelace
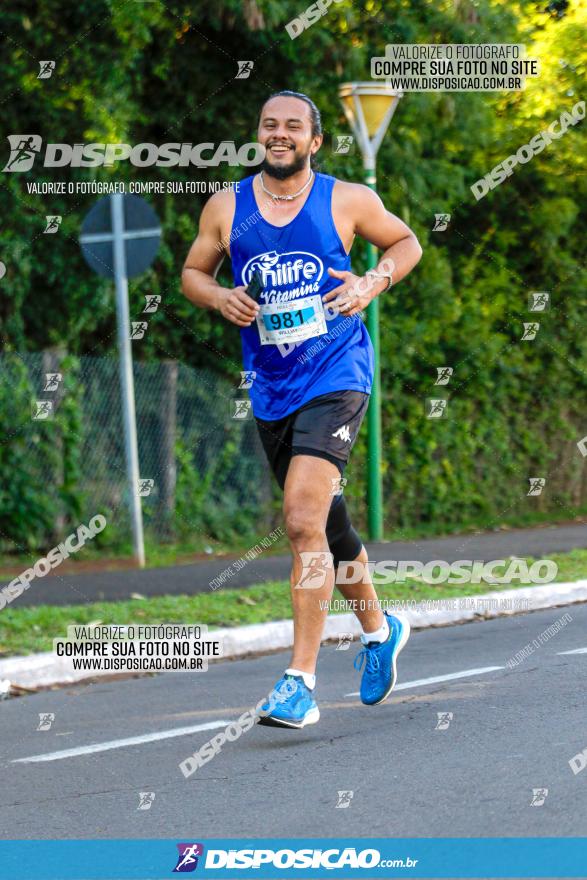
283,695
370,655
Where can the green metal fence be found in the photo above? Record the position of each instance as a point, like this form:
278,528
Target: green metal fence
203,474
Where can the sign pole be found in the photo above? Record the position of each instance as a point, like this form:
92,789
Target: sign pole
369,107
126,376
374,437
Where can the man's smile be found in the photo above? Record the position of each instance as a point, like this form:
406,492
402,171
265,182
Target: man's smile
280,149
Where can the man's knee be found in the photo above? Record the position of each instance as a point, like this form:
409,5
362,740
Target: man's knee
301,526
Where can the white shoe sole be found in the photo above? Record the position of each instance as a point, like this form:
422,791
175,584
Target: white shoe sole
312,717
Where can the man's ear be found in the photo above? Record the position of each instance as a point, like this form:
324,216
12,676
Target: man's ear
317,144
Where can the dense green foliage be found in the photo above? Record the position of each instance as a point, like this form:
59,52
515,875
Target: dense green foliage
39,460
159,72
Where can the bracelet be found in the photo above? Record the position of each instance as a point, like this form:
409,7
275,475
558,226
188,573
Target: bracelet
385,275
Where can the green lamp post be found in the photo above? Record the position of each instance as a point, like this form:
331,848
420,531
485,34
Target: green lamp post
369,107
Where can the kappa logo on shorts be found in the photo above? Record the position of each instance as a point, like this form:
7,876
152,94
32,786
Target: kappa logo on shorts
343,433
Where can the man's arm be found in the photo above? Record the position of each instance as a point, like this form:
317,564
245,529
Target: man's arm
198,277
374,223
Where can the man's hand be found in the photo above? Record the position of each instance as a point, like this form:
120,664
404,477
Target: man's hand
237,306
354,294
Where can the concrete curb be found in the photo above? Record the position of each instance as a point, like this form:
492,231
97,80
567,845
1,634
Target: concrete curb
44,670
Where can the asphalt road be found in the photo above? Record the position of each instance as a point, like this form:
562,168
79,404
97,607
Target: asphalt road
81,589
512,731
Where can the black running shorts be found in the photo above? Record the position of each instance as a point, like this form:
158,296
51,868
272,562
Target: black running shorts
325,427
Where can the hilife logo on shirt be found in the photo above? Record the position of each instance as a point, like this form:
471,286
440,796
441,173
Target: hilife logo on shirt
295,273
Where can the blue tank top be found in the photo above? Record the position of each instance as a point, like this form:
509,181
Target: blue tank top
297,348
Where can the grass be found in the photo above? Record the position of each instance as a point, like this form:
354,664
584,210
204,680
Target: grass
159,555
26,630
182,552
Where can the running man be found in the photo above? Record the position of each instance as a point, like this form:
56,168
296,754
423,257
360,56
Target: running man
293,229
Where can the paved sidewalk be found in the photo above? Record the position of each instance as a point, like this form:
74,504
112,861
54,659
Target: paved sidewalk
81,589
46,669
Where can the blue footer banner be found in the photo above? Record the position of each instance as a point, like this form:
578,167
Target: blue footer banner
369,858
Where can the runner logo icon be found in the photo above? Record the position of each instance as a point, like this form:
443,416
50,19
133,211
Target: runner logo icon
23,151
187,860
315,567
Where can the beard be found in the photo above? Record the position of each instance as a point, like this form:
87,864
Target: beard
282,172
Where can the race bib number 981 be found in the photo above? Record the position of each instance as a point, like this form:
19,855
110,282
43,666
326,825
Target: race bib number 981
292,321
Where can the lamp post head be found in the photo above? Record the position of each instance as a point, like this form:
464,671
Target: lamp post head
369,107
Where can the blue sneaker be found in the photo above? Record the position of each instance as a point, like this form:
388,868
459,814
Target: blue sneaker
380,658
290,704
